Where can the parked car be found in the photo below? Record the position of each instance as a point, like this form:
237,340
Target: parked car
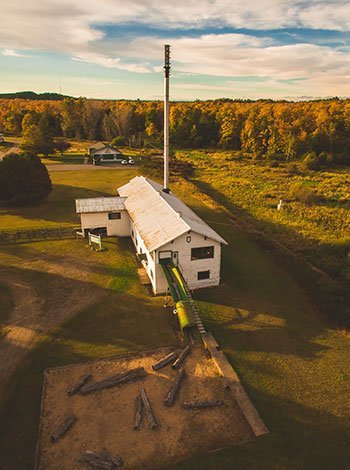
128,162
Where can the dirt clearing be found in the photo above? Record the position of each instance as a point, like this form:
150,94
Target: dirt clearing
105,418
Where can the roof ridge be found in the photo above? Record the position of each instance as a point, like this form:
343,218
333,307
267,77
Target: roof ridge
166,202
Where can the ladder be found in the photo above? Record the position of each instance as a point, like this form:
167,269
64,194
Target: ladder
194,309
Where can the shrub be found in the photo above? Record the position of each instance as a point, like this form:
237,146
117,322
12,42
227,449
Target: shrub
119,140
23,179
311,162
302,193
316,162
61,145
292,169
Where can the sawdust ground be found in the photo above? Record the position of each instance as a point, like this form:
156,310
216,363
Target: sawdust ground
105,418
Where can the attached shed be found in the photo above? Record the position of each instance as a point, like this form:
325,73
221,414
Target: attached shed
164,229
106,215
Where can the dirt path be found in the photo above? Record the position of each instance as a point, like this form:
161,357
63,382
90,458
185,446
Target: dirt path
34,315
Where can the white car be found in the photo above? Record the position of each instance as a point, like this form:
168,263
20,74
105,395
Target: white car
128,162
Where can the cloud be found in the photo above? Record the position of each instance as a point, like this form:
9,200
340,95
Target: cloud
68,25
12,53
111,63
237,55
81,29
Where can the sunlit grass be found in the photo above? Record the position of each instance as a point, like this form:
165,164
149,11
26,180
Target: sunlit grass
294,367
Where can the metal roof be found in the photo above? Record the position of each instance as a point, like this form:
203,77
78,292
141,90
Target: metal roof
100,204
161,217
106,151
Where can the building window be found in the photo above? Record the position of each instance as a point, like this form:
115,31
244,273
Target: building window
114,215
203,275
202,253
188,239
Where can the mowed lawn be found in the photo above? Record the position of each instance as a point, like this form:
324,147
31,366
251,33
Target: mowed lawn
59,208
295,368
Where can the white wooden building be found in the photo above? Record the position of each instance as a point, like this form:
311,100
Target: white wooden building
106,215
161,226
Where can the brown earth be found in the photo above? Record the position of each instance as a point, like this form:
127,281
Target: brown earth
105,418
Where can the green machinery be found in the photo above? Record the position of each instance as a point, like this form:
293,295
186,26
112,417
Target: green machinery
177,290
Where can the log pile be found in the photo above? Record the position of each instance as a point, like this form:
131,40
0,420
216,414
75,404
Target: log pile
148,409
114,380
165,361
184,353
75,388
175,387
64,428
138,412
101,461
200,404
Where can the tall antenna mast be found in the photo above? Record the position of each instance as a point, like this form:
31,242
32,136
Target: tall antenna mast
166,116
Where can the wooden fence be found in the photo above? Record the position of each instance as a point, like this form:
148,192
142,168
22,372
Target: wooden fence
37,234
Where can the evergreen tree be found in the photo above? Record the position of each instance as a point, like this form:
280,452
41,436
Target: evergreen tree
23,179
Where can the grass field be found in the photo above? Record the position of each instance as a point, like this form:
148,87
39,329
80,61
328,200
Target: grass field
295,368
59,208
125,319
316,231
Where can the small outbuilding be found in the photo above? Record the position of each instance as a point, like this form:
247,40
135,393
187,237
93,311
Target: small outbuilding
104,215
103,153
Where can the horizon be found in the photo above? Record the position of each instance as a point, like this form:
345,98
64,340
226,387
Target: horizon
220,49
291,99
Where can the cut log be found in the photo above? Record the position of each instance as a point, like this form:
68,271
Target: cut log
114,380
148,409
195,405
64,428
175,387
101,461
75,389
184,353
165,361
138,412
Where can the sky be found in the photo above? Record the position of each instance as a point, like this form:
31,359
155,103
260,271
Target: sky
279,49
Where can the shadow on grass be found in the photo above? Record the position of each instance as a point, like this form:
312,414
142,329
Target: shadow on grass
330,295
120,265
58,208
6,302
300,437
119,323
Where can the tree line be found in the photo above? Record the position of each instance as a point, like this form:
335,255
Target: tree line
262,129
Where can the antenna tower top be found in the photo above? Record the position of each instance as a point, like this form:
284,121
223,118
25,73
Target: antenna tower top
167,60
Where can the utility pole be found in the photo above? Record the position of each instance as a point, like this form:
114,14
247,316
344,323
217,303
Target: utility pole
166,116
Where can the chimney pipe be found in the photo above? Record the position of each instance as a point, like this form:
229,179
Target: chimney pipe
166,116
